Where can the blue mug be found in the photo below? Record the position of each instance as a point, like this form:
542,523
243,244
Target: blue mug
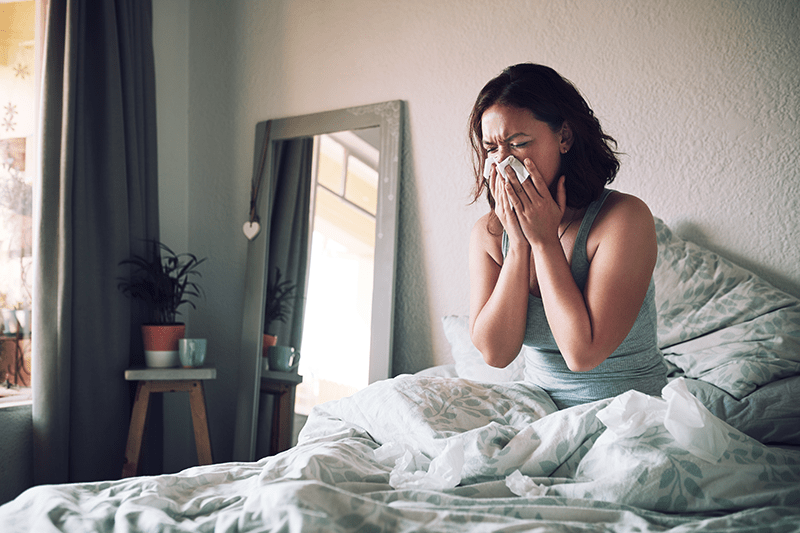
283,358
192,352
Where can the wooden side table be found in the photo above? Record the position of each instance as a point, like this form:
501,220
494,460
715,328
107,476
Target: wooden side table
282,386
15,349
152,380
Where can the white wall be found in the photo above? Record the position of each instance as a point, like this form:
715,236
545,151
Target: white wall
703,97
171,36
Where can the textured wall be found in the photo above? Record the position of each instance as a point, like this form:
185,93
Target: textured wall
702,96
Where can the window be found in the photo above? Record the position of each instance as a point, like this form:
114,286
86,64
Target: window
17,148
338,314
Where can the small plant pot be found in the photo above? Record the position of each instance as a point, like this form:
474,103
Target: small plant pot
161,344
269,340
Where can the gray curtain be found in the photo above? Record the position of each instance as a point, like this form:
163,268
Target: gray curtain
97,203
289,233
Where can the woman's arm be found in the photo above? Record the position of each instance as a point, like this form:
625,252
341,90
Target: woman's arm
498,286
587,326
498,294
622,251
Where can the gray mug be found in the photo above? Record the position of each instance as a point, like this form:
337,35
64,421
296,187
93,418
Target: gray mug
283,358
192,352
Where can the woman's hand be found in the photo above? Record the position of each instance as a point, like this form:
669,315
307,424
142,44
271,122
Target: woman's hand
501,191
537,214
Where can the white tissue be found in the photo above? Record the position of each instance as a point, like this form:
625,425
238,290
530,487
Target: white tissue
692,425
631,413
520,170
688,421
389,453
523,485
413,470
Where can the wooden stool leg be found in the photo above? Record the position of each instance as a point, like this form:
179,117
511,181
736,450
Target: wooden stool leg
133,449
197,402
282,418
275,432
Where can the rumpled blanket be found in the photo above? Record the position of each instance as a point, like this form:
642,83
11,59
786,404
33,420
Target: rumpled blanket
446,454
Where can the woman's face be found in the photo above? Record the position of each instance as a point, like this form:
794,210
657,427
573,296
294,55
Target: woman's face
515,131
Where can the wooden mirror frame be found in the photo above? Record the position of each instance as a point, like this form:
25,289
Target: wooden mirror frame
387,116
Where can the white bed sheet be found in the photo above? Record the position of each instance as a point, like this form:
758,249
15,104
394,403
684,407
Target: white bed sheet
334,481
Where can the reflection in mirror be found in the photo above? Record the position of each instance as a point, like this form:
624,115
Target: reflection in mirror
345,335
338,309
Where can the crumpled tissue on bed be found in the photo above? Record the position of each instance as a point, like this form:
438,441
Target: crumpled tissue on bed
685,418
524,486
520,170
413,470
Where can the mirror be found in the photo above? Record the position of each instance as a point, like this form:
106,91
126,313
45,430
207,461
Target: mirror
386,119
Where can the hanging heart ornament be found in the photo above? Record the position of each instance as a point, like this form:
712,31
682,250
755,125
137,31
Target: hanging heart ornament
251,229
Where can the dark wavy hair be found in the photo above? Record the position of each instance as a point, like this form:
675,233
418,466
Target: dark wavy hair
590,164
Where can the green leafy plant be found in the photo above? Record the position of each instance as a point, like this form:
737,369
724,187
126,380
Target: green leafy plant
279,295
163,283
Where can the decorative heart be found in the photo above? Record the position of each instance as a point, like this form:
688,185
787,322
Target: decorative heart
251,229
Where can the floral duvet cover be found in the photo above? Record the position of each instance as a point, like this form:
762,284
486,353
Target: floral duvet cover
421,453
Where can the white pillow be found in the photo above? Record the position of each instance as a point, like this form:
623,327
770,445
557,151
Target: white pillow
469,361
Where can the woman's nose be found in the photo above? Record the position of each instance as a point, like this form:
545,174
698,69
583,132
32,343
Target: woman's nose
500,153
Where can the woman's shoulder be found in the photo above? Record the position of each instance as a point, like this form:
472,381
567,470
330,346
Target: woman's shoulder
487,235
621,208
487,226
623,217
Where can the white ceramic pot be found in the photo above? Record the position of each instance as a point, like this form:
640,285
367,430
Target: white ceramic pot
9,321
161,359
24,321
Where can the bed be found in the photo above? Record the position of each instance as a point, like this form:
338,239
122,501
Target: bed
464,447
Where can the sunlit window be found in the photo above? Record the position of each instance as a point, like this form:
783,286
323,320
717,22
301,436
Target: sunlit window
17,171
338,313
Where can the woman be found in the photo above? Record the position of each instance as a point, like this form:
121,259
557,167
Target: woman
560,263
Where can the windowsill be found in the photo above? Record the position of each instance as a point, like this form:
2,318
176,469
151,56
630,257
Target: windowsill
14,396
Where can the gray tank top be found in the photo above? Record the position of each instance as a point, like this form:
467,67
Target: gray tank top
636,364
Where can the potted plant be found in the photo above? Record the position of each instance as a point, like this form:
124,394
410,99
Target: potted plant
164,283
277,307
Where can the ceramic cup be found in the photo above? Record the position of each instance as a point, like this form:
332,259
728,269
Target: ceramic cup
283,358
192,352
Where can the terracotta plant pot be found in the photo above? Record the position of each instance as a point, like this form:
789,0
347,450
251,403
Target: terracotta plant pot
161,344
269,340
